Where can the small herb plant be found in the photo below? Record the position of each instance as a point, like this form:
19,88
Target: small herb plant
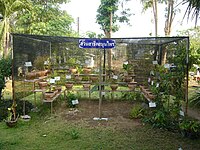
70,97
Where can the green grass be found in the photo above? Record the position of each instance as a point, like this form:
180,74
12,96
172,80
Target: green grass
51,133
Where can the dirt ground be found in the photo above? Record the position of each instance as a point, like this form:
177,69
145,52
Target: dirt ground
117,113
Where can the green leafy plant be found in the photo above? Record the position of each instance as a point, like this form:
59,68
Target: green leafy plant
5,71
74,134
195,99
128,67
190,128
70,97
137,111
129,95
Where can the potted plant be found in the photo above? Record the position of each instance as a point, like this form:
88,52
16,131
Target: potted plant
43,84
128,68
11,120
87,70
132,85
49,95
86,86
79,71
94,78
113,83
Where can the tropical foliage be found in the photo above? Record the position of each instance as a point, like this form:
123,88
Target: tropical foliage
5,71
8,11
193,9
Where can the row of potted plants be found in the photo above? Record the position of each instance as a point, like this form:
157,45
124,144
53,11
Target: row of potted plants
36,74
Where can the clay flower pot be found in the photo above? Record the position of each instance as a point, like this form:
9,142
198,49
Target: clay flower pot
87,70
58,88
73,70
86,86
131,86
30,75
43,85
69,85
128,79
11,123
49,95
94,79
114,87
78,78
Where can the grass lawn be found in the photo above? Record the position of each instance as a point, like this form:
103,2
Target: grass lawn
53,133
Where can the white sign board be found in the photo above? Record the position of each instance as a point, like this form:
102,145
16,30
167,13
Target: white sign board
57,78
75,102
68,76
152,104
155,62
28,64
115,77
52,81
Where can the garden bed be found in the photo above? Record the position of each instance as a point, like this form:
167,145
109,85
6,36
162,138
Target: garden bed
117,112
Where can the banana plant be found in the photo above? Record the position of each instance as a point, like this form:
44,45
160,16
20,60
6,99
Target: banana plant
8,12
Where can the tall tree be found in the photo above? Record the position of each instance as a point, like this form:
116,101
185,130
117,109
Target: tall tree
8,11
169,17
108,19
45,19
152,4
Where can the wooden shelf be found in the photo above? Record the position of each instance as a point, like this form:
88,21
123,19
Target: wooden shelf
35,80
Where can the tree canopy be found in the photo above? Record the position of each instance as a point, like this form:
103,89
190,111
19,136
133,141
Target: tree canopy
45,20
109,15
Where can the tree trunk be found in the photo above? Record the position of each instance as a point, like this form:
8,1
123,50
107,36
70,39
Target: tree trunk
109,51
168,25
0,93
155,12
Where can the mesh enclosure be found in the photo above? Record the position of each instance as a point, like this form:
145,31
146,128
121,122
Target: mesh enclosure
138,58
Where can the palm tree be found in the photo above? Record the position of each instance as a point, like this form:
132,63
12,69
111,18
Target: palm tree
8,11
193,9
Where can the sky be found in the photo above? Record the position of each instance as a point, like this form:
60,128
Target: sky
141,23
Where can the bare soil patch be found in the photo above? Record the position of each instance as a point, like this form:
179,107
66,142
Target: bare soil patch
117,113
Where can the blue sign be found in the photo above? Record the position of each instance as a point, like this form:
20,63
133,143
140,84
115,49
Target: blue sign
96,43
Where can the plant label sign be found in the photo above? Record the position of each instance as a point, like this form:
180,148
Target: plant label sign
28,64
115,77
97,43
75,102
52,81
125,63
57,78
46,63
103,93
155,62
181,113
68,76
157,85
152,104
